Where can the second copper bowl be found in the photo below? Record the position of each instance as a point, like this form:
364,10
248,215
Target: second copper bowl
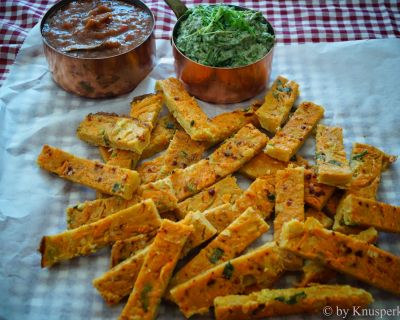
222,85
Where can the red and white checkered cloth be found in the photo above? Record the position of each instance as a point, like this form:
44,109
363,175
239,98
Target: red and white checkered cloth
294,21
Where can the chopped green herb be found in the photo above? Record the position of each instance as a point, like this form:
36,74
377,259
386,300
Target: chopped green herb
320,156
281,88
183,153
105,137
192,123
191,187
275,95
292,299
170,125
216,255
116,187
228,270
223,36
336,163
359,156
79,206
144,296
271,197
293,158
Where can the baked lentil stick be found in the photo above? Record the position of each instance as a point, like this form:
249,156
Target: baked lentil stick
145,108
228,123
161,192
120,158
156,271
186,110
226,159
149,170
320,216
123,249
260,196
342,253
124,159
203,230
105,153
315,272
92,211
262,164
237,150
227,245
339,224
117,283
370,213
367,164
287,141
289,202
316,194
138,219
161,136
224,191
259,268
332,166
277,104
222,216
282,302
187,182
102,177
113,131
181,152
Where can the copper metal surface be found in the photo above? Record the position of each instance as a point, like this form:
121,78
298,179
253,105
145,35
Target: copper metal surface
222,85
101,77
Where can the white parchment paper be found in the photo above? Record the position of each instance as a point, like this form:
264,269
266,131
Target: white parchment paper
356,82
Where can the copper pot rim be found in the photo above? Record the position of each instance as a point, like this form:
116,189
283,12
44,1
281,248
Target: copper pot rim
54,8
184,16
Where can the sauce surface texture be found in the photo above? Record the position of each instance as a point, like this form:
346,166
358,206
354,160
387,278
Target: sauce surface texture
112,26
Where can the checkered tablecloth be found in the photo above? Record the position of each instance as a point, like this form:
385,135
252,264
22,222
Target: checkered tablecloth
294,21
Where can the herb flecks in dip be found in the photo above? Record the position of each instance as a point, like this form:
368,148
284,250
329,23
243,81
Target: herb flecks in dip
113,25
223,36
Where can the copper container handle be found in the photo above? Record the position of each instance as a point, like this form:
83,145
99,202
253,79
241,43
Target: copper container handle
177,6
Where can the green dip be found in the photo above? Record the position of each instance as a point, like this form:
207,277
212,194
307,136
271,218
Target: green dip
223,36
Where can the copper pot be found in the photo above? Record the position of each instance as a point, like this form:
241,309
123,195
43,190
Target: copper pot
222,85
103,76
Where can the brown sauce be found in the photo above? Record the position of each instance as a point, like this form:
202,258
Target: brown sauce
114,26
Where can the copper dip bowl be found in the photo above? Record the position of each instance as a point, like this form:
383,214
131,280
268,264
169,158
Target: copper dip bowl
101,77
222,85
